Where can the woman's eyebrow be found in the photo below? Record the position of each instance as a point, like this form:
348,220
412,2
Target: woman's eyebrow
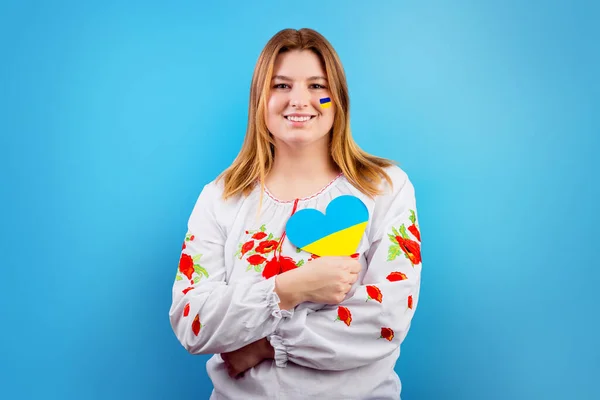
285,78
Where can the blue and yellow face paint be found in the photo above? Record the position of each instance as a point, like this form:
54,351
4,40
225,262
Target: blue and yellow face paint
337,233
325,102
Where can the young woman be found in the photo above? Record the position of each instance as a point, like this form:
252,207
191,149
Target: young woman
283,323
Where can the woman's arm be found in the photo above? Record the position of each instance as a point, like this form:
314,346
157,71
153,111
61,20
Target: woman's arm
372,323
207,315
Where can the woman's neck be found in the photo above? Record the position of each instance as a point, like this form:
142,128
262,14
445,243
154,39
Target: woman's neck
300,174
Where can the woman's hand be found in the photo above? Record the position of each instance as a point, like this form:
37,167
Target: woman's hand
241,360
325,280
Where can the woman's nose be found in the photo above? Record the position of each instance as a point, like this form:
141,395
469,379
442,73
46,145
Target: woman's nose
299,97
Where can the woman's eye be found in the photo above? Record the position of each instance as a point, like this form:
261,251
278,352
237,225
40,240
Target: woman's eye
280,86
318,86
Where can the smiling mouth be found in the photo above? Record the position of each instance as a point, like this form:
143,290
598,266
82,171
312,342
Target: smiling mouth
299,119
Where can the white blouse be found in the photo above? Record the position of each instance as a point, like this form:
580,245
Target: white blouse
224,299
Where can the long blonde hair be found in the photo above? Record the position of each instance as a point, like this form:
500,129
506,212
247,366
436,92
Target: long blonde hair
256,156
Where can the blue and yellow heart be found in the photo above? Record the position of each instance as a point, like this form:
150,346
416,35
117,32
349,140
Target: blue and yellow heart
336,233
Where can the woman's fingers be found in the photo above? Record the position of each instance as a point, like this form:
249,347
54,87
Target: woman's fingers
232,372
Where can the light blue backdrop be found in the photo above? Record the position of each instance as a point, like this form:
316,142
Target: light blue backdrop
114,116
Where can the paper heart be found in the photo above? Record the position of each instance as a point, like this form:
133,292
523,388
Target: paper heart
336,233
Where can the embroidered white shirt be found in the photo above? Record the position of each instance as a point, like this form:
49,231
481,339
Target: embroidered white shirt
223,296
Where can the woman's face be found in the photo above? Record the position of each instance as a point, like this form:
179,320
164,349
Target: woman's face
294,113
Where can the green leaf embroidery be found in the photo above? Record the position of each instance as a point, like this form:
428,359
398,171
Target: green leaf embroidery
257,268
178,277
412,217
200,270
270,237
390,253
300,263
298,249
249,268
197,279
393,238
263,228
239,250
393,252
403,232
196,257
395,231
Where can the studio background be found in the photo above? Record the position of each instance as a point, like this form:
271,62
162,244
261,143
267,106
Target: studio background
114,116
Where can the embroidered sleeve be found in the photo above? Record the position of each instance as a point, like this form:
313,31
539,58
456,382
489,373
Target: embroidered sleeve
207,315
373,322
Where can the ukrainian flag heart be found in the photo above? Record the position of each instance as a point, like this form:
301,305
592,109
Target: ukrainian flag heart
336,233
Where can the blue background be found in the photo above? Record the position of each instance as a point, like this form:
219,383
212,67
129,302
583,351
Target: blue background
114,116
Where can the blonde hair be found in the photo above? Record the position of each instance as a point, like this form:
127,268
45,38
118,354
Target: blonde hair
256,156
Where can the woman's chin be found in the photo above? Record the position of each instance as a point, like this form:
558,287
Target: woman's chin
299,138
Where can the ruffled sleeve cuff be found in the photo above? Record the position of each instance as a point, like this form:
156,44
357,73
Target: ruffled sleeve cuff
273,301
281,356
263,305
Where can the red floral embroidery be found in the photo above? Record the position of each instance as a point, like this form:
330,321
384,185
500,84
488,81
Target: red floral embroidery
246,247
256,259
410,302
276,267
186,310
259,235
188,237
344,315
396,276
411,249
374,293
415,231
403,244
272,268
266,246
190,265
196,325
288,263
184,291
186,265
258,256
387,333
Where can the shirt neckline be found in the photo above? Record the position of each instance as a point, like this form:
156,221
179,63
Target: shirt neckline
323,189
